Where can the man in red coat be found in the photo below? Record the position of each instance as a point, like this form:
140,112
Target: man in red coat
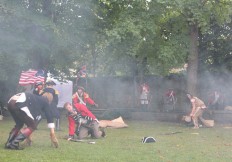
80,99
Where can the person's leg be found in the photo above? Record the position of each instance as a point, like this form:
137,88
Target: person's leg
19,124
57,124
96,133
200,116
195,117
195,121
83,132
142,104
56,116
71,126
146,106
20,118
22,135
13,133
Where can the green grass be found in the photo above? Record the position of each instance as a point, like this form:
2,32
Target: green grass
124,145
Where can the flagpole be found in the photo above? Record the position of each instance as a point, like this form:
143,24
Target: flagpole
86,77
86,83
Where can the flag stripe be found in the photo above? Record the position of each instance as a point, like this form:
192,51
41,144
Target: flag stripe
30,77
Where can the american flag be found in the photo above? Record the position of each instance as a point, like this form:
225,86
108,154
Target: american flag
31,77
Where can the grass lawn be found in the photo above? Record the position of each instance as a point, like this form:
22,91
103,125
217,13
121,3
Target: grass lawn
124,145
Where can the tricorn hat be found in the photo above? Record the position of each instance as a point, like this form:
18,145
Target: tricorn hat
148,140
50,82
38,83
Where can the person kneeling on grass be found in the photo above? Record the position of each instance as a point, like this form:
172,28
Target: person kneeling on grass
86,124
26,108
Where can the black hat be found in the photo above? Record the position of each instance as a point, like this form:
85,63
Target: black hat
148,140
38,83
50,82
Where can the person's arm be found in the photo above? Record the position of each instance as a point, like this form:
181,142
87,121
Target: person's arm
81,119
56,98
193,107
84,111
74,98
71,126
89,100
51,125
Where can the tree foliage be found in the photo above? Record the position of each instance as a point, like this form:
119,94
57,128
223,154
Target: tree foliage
112,37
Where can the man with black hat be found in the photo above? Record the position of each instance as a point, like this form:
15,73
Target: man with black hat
25,108
53,100
38,88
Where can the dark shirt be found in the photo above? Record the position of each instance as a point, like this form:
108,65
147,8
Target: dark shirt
36,104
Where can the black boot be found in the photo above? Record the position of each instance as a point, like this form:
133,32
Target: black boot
12,135
14,144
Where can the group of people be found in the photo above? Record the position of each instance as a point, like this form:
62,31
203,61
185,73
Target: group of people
145,97
26,109
197,105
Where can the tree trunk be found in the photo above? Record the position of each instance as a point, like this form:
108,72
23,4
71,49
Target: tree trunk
193,61
94,55
47,8
93,69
